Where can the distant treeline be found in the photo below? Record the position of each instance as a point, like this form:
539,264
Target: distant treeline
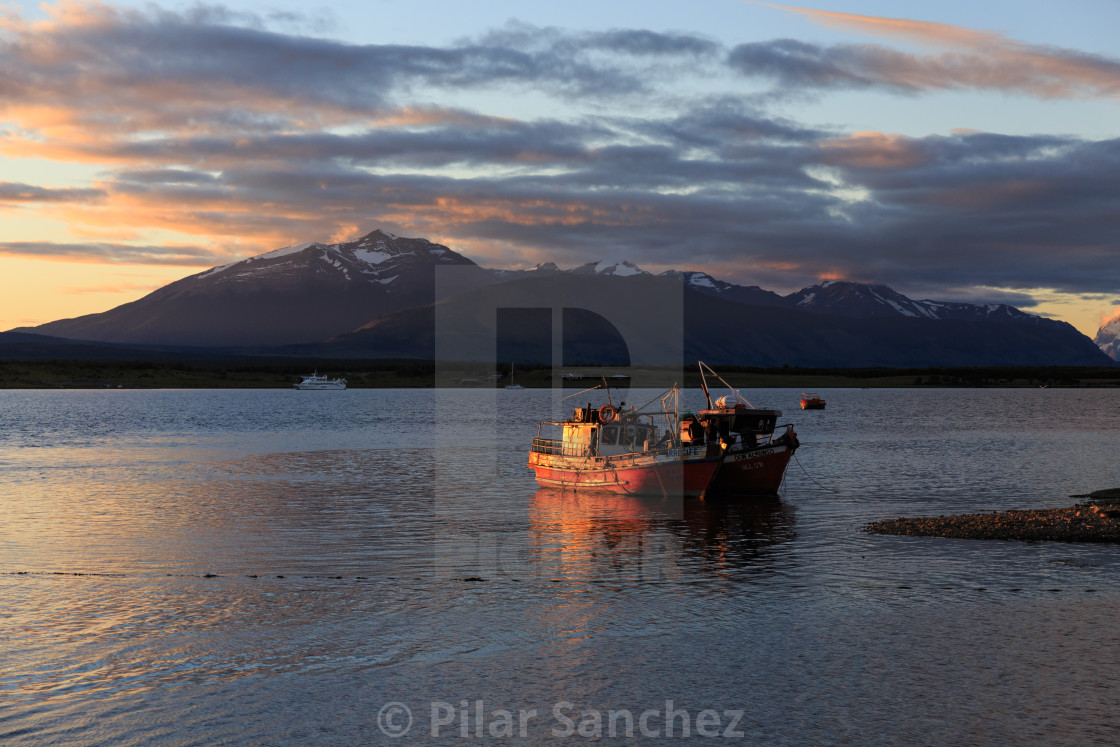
382,373
950,376
208,373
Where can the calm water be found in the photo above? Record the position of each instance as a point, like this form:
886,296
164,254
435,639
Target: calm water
278,567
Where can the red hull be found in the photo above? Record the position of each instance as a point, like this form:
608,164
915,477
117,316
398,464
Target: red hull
754,472
676,477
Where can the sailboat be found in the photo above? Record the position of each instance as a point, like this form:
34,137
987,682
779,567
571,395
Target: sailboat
511,385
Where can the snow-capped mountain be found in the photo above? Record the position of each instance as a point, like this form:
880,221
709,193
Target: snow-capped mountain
296,294
702,282
544,268
615,268
857,300
854,300
320,296
619,268
378,257
1108,338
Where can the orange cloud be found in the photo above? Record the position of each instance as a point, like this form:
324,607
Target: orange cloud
873,150
107,253
111,288
980,60
924,32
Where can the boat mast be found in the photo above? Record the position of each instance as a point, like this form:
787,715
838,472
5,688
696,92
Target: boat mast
734,391
704,385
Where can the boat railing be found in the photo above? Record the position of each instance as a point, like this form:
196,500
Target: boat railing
557,447
786,433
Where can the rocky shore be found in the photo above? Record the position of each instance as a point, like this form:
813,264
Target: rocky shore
1095,521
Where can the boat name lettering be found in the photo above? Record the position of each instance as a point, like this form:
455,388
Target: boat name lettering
752,455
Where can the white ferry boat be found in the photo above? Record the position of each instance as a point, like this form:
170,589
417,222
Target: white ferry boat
315,381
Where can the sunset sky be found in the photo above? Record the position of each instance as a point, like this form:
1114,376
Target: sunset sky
962,151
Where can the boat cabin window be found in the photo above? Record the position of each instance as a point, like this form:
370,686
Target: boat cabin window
754,422
631,436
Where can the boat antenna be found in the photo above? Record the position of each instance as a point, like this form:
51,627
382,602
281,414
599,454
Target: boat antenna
704,384
607,386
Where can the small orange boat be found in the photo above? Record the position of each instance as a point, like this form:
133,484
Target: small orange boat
811,401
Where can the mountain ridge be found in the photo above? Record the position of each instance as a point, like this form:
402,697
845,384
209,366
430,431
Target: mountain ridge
303,293
768,336
318,295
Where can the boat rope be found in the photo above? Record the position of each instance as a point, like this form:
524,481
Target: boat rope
664,491
589,389
675,394
660,396
822,487
620,483
735,391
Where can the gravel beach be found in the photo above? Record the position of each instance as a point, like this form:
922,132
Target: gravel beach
1095,521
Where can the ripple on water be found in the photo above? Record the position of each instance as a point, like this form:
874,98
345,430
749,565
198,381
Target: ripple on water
269,571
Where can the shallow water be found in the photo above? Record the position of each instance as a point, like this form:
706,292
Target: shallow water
275,567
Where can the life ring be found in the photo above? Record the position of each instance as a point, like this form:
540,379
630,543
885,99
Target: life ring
607,413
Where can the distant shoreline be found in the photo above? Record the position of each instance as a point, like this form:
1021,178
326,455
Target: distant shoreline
385,374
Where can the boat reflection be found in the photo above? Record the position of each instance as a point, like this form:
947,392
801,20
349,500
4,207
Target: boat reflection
596,536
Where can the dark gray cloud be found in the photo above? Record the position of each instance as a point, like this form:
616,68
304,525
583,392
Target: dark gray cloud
933,213
632,42
217,125
13,192
799,64
114,253
174,71
995,65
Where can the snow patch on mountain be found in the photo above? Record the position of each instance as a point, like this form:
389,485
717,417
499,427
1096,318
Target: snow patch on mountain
287,250
702,280
372,256
377,257
623,268
865,301
1108,337
899,307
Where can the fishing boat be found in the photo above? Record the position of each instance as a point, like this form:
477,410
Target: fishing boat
623,450
811,401
755,449
315,381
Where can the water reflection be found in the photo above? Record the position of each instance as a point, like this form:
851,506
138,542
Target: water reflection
743,532
633,539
